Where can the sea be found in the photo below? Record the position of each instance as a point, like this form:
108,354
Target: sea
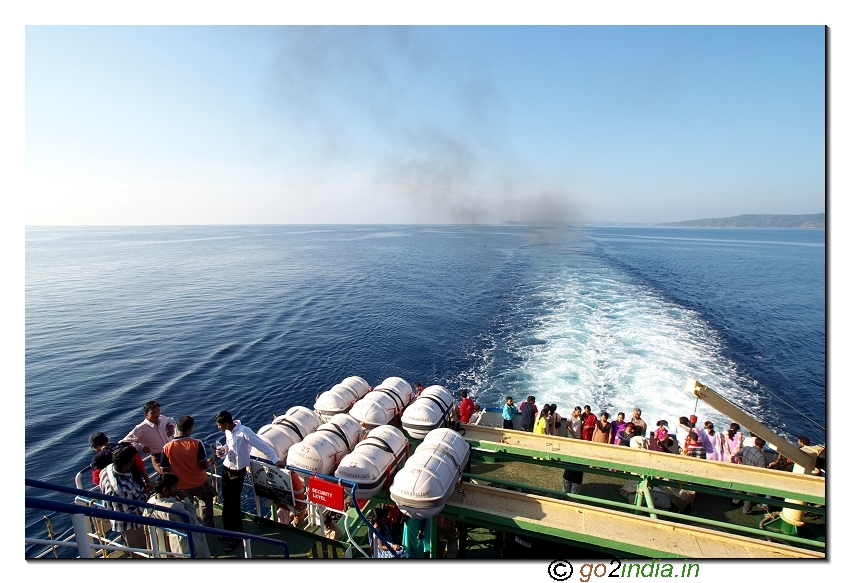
257,319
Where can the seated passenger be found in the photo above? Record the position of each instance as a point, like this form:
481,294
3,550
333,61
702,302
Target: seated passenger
671,446
626,434
682,431
380,550
168,496
661,434
332,531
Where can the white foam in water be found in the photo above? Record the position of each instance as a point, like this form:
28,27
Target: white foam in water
615,345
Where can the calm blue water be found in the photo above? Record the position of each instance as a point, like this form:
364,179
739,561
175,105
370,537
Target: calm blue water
257,319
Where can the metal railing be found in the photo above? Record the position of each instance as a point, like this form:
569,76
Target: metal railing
82,534
94,493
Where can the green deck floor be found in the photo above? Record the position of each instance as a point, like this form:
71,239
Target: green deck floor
488,544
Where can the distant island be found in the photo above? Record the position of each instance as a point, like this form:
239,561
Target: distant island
816,221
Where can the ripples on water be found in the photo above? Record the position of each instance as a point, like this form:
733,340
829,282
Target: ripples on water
257,319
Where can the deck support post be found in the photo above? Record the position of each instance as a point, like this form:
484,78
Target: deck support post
645,489
81,535
433,536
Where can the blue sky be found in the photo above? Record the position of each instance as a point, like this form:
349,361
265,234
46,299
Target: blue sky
220,124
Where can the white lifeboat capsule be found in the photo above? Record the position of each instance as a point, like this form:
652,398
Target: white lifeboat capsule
422,487
322,450
374,460
428,412
287,430
341,397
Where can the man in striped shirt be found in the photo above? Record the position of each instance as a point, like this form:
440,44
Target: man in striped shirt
751,455
116,480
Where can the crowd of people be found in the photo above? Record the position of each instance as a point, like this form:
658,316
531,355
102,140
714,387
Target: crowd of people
688,438
181,463
581,424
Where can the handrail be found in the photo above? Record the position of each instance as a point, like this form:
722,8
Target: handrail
96,512
78,480
117,499
347,483
41,504
101,496
32,502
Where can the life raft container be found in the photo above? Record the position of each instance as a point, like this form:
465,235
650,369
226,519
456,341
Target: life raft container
384,405
400,386
341,397
374,460
422,487
287,430
428,412
322,450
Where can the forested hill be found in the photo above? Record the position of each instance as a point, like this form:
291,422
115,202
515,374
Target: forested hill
816,221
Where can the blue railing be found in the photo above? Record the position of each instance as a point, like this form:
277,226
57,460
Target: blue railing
171,525
97,512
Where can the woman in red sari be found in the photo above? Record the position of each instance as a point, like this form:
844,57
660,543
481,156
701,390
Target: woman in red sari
588,424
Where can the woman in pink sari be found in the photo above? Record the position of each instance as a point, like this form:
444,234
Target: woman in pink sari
732,443
713,442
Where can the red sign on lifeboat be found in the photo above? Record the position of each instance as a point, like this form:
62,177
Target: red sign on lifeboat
328,494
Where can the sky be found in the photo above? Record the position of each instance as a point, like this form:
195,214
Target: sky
421,124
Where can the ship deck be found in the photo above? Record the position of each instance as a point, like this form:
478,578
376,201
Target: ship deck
512,493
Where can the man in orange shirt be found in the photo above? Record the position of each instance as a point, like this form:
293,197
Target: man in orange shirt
186,457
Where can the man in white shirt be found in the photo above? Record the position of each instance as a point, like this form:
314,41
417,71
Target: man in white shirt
237,457
152,434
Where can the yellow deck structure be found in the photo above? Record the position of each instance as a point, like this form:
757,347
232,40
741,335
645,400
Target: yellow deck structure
811,489
594,525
